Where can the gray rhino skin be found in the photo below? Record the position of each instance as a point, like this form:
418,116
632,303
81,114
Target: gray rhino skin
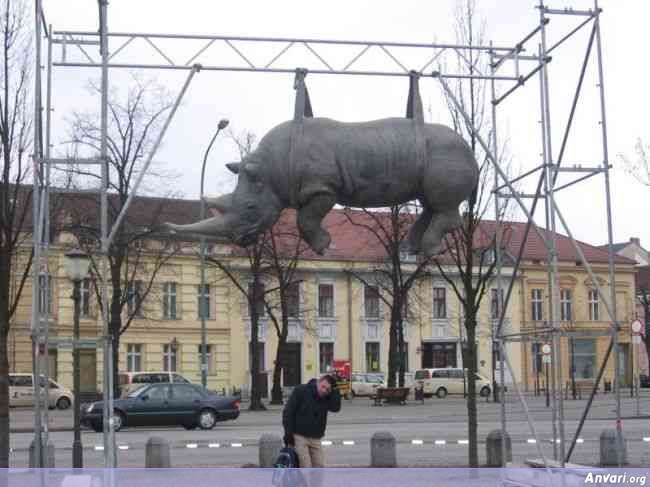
368,164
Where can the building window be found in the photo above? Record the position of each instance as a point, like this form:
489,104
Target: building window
292,295
566,305
326,300
372,357
584,358
496,304
169,300
45,293
169,357
594,314
439,302
134,298
204,301
84,303
371,301
256,299
326,354
208,357
133,357
537,305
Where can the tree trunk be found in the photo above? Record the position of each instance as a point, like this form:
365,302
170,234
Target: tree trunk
402,353
393,349
472,416
4,393
276,391
115,318
256,396
4,361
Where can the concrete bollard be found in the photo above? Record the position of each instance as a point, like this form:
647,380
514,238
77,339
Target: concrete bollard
493,448
609,448
48,455
157,453
383,450
270,446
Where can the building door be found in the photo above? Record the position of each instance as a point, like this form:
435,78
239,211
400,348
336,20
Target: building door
438,355
291,371
88,371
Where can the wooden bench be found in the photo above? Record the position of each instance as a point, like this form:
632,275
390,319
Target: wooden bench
390,394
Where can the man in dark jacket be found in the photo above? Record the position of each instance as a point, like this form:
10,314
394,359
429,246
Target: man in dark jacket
305,418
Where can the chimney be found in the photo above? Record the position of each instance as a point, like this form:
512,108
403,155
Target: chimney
636,240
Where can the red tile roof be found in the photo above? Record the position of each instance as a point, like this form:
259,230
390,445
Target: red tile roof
353,242
350,242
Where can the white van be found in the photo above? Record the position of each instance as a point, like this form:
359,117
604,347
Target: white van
448,381
21,392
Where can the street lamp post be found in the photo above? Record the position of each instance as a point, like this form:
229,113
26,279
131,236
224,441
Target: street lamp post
76,264
223,123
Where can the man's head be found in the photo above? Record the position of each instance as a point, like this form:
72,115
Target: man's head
325,385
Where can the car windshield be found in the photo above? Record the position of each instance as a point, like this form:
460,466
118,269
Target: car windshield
137,391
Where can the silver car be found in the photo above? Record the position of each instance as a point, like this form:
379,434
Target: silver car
21,392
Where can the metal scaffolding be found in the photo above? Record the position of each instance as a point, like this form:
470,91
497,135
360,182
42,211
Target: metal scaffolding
511,67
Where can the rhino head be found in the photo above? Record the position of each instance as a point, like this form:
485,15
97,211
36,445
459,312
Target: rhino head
243,214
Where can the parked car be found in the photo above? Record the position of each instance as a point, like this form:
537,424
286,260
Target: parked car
366,384
448,381
21,392
130,381
174,404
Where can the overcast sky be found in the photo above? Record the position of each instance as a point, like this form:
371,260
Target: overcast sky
256,102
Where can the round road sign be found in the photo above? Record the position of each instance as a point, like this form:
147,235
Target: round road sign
636,326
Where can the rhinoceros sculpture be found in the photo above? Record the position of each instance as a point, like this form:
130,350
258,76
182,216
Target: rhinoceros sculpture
368,164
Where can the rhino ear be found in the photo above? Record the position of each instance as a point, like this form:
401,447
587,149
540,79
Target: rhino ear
233,167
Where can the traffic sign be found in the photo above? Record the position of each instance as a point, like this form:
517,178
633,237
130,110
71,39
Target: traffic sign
546,349
637,326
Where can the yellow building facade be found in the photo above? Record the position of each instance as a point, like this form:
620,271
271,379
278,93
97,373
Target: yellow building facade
335,317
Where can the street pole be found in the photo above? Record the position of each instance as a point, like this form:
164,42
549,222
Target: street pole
223,123
573,370
548,396
77,448
638,382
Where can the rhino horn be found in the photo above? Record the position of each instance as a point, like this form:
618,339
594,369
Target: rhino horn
216,226
222,203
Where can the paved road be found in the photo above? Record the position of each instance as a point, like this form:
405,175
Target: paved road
432,434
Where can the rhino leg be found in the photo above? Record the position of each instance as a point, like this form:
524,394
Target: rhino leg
416,231
441,223
310,216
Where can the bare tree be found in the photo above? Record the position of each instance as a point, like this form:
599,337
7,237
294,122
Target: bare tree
470,249
284,250
134,258
15,195
250,282
392,279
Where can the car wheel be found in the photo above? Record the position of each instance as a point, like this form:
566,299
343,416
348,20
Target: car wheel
63,403
207,419
485,392
97,427
118,421
441,393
